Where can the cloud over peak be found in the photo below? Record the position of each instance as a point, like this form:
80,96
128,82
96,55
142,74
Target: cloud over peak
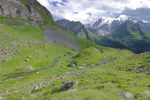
88,10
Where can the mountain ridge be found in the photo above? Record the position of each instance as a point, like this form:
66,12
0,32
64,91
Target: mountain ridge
76,27
121,32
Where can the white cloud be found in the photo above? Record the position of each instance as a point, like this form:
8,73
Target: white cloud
89,10
138,4
44,3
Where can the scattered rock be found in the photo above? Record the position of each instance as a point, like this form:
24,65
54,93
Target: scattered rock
35,88
147,93
68,85
142,69
127,95
105,60
1,98
56,60
73,63
27,60
29,67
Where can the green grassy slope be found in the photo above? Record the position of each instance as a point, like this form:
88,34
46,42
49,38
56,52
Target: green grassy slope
101,73
22,47
33,68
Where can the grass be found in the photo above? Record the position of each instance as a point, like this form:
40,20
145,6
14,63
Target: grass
21,43
106,82
102,73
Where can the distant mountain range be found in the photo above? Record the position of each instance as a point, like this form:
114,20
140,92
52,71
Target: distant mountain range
120,32
109,25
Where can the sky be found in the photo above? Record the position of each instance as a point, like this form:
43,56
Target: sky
88,11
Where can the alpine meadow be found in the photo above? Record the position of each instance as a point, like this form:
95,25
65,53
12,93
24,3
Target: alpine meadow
52,51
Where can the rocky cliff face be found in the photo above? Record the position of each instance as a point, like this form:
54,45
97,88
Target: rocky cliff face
24,9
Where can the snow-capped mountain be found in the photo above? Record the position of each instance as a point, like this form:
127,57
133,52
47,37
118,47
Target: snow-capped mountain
109,25
122,31
108,20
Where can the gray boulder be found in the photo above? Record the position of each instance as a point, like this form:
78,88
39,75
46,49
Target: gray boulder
67,85
73,63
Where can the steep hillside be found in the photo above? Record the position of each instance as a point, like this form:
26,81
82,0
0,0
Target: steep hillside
19,13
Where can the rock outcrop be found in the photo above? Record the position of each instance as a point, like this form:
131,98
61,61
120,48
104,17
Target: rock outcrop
24,9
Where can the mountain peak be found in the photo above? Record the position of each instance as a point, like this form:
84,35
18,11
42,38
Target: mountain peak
122,18
107,20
